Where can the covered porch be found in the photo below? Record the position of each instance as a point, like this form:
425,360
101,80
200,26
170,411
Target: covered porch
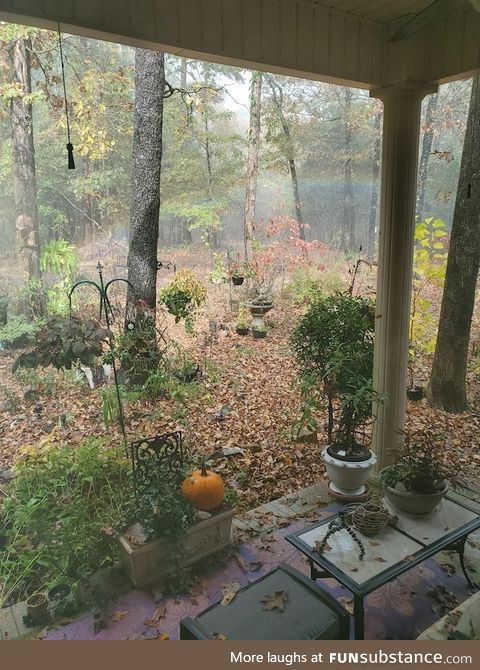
400,50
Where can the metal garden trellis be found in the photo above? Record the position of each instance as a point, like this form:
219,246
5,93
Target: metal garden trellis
163,449
106,308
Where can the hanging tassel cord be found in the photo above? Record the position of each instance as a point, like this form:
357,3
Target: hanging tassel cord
71,160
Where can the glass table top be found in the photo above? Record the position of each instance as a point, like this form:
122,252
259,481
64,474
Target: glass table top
393,548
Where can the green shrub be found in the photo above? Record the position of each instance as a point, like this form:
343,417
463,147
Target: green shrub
18,331
59,515
137,351
333,344
309,283
334,340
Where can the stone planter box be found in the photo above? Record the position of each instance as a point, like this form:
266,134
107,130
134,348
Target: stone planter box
148,563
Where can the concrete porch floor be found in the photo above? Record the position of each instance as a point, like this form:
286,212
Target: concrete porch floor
259,546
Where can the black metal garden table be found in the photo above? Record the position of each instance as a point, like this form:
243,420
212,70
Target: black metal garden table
389,553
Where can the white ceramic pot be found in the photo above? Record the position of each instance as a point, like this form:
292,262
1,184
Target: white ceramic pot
348,478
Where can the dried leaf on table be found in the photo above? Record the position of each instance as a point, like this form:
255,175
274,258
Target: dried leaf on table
320,549
274,601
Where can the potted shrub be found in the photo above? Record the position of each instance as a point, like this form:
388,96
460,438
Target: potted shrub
333,344
136,350
259,332
63,342
419,479
183,296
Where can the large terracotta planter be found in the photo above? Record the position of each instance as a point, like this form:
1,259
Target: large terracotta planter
414,503
348,478
148,563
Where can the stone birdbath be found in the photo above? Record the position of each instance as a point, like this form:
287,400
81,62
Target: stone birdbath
258,308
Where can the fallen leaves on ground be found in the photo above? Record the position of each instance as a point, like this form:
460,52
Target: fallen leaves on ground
443,600
249,383
119,615
158,614
229,591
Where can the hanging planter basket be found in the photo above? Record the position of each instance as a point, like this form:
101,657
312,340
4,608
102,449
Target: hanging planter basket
238,281
415,393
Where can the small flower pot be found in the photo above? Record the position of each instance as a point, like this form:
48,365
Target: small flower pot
415,393
259,334
59,598
237,281
37,606
241,331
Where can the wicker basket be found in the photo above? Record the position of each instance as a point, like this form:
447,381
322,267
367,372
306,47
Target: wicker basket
369,518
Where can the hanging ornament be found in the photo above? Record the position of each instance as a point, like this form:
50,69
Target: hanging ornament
71,161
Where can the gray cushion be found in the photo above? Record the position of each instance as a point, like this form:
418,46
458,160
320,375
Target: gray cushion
305,617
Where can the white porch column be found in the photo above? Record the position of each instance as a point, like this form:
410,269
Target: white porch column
401,130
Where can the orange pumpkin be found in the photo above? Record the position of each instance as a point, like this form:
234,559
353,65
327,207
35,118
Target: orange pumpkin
204,489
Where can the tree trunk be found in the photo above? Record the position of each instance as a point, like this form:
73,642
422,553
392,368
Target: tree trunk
252,161
278,101
147,159
24,157
349,220
377,152
447,382
426,152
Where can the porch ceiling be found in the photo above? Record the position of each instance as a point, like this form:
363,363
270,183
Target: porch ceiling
384,11
366,43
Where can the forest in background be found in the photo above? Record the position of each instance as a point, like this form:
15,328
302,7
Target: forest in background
331,133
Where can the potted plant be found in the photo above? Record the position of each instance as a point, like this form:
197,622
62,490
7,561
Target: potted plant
237,274
37,607
429,265
174,524
241,324
241,328
183,296
415,392
136,350
333,344
419,479
259,332
63,342
3,309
